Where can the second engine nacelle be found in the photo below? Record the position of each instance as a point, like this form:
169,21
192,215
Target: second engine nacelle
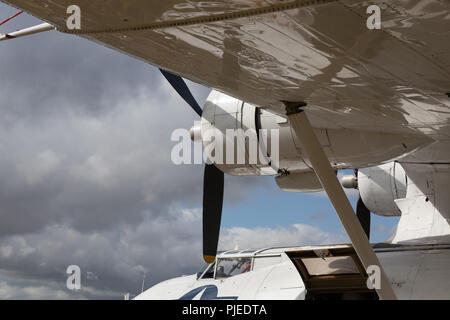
379,186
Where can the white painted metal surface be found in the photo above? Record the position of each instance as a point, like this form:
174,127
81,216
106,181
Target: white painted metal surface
426,206
380,186
28,31
415,272
394,79
305,181
338,198
345,148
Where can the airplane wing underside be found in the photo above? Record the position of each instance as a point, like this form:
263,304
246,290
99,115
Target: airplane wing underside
263,52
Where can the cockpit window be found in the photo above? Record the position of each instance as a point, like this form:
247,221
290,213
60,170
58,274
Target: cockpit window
209,268
228,267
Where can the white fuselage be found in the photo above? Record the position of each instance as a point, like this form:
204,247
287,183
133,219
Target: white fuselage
415,272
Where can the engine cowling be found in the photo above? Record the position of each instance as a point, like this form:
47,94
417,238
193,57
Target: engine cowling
379,186
346,149
305,181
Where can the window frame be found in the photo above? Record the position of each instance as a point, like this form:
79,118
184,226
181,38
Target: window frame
208,269
252,259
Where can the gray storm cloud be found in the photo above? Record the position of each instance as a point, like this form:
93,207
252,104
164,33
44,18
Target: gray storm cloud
114,261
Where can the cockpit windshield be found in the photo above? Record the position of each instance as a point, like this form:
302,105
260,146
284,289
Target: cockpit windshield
209,268
228,267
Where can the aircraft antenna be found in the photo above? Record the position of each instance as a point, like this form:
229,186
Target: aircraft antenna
10,18
143,283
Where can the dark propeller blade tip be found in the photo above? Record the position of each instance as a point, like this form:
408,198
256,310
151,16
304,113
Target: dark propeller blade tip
181,87
209,259
363,215
213,185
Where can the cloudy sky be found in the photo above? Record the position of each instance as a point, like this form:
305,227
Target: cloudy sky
86,177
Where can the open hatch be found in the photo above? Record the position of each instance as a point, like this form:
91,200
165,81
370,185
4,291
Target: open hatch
332,273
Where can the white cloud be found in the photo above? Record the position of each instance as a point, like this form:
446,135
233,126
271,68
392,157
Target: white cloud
113,261
36,167
294,235
21,291
95,170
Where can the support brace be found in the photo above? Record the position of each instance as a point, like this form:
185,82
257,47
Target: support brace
327,177
28,31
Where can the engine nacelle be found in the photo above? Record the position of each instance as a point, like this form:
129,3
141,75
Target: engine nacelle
283,151
379,186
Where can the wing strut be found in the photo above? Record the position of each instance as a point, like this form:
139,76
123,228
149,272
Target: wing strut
28,31
325,173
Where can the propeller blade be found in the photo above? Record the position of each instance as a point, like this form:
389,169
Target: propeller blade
363,215
213,182
181,87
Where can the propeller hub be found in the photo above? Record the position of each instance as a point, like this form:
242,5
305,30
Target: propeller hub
196,133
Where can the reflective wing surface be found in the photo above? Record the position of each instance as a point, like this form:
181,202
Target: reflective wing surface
394,79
